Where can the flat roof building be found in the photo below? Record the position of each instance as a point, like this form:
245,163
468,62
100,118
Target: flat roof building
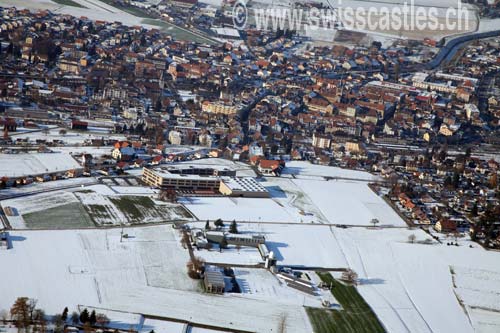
164,179
243,187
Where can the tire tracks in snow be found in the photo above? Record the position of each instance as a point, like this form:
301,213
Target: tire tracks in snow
407,292
370,286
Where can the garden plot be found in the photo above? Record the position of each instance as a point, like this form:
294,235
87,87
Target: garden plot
484,321
100,208
39,202
96,205
141,209
54,210
478,288
106,207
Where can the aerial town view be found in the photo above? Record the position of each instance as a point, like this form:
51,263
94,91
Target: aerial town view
249,166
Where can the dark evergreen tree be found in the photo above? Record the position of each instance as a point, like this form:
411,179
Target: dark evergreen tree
64,315
93,318
456,180
219,223
84,316
474,210
233,228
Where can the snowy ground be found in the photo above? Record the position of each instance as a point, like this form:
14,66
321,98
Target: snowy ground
71,137
307,197
31,164
239,209
412,287
349,202
144,274
52,185
94,9
409,286
306,170
297,203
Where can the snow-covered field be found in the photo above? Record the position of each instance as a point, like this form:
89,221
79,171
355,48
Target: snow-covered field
71,137
412,287
348,202
313,171
239,209
409,286
478,287
31,164
95,205
143,274
94,9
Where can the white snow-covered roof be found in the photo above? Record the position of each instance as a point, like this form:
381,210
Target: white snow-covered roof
32,164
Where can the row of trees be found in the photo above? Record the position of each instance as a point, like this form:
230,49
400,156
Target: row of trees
219,224
27,317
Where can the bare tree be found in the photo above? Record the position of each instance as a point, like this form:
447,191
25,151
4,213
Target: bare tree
20,313
58,322
39,320
195,267
102,319
63,132
32,306
185,239
75,317
412,238
350,276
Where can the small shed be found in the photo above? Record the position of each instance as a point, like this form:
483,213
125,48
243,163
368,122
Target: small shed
4,240
214,282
